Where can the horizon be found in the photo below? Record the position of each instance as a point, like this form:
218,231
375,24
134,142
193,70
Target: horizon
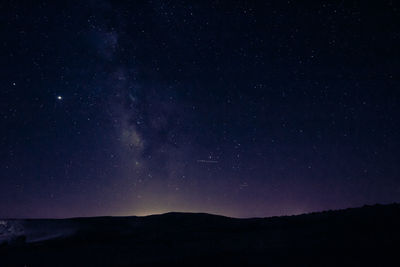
202,212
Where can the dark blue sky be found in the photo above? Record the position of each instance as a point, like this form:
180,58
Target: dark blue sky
241,108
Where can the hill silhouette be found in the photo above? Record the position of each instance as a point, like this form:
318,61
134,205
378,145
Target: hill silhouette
366,236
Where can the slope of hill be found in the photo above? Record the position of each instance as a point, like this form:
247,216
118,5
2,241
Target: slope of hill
366,236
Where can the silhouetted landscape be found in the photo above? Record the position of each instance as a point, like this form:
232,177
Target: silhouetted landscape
364,236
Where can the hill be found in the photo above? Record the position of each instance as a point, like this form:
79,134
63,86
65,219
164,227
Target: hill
366,236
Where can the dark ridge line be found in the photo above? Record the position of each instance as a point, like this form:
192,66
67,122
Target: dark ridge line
178,213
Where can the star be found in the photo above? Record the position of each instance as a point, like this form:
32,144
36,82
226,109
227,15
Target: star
59,97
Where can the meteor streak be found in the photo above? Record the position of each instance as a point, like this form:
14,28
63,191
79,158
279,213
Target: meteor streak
207,161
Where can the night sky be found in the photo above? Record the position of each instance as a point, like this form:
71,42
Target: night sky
239,108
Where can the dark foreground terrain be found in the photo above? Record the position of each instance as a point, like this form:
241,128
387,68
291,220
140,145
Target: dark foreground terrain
367,236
